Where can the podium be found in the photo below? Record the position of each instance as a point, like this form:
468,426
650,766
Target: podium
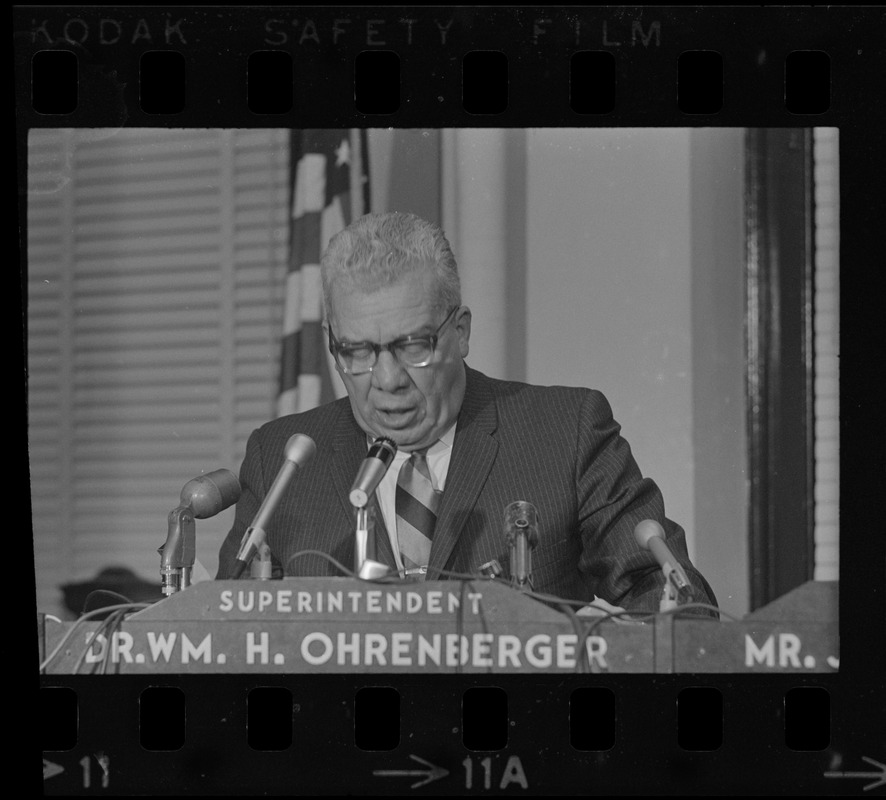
347,626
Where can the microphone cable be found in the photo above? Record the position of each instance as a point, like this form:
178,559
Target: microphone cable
107,628
126,607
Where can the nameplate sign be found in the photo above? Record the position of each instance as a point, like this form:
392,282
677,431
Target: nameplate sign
342,625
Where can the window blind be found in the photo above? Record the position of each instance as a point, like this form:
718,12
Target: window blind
156,261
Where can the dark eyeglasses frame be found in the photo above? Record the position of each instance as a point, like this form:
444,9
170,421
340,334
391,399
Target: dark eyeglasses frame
335,346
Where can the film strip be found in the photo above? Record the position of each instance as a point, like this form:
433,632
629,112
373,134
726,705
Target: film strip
788,729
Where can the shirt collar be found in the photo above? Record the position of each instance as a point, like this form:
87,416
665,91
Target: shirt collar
446,440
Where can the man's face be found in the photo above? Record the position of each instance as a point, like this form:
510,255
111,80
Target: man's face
411,405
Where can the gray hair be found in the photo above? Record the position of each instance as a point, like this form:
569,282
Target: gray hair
377,250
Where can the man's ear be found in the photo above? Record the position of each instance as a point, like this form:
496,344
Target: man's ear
463,327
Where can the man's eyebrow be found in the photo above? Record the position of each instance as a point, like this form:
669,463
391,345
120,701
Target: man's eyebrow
426,330
417,335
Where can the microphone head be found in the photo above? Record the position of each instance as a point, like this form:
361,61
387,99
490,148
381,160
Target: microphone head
210,494
646,530
522,516
372,470
383,449
300,449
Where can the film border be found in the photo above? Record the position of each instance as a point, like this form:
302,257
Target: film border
222,38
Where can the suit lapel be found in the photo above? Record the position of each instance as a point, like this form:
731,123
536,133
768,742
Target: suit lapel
349,447
473,455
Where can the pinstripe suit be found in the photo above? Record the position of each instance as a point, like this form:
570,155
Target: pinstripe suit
558,448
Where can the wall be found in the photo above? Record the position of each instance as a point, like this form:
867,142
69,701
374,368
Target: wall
623,295
608,286
718,362
404,171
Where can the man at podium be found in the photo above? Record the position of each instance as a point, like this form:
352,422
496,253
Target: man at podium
458,447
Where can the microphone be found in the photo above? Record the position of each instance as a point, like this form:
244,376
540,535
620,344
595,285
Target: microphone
299,450
521,531
203,497
372,470
650,536
210,494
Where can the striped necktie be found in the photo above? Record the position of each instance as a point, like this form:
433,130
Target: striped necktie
417,503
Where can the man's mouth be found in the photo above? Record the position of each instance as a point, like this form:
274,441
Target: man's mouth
396,416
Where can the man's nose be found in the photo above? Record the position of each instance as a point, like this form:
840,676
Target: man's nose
388,373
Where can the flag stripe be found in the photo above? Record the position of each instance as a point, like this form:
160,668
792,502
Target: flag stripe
328,168
309,391
312,343
332,220
310,184
311,294
290,361
305,244
287,402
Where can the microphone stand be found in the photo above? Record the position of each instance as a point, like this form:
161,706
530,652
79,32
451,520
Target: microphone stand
670,593
675,580
521,533
298,451
651,536
521,560
252,545
365,564
261,567
178,553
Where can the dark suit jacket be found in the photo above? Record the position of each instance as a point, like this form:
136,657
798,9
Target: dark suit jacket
558,448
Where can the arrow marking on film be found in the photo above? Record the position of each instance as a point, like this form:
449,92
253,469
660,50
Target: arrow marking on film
434,772
879,776
50,770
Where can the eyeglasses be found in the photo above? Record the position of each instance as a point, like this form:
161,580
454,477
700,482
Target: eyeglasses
357,358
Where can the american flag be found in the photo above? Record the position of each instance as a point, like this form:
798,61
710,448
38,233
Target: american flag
330,188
